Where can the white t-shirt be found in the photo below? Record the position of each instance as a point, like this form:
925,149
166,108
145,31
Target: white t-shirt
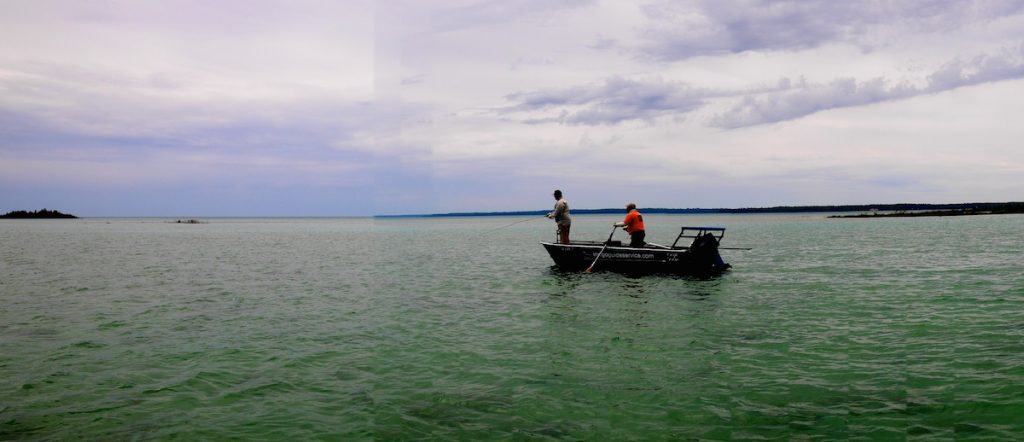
561,213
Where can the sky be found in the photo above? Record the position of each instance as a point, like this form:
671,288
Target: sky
354,108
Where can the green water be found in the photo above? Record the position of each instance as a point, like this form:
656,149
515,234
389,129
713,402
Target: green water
351,329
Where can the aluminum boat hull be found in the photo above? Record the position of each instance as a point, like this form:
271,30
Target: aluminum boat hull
636,260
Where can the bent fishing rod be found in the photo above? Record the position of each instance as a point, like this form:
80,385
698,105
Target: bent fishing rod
512,224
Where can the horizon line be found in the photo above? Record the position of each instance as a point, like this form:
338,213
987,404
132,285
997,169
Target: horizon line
725,210
670,210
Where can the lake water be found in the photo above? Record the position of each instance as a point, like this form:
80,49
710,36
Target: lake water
459,328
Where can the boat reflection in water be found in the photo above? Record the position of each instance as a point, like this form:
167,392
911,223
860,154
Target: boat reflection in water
699,258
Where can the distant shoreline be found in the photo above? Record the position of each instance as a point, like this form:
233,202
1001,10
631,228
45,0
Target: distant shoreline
862,211
967,208
1003,209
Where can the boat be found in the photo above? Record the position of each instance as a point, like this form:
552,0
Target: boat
698,256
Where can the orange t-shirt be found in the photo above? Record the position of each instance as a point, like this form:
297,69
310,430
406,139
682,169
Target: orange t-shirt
634,221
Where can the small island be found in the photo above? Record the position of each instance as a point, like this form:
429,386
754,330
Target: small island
41,214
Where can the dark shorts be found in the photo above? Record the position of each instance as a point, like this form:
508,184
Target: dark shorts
636,239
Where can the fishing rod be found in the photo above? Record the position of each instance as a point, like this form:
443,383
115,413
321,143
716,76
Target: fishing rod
512,224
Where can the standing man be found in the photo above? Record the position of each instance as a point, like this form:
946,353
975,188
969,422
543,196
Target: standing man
634,225
561,217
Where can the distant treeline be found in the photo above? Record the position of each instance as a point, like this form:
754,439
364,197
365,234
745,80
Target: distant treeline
776,209
982,209
37,214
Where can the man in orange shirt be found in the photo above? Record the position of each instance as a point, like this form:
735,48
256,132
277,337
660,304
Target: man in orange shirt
634,225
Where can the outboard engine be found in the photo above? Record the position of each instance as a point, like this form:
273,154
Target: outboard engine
705,249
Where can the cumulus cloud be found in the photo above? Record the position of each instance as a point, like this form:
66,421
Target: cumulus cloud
805,98
613,101
618,99
681,30
1007,65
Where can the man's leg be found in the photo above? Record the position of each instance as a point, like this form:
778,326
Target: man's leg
637,239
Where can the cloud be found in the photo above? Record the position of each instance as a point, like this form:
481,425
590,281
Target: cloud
618,99
804,98
681,30
402,106
613,101
1008,65
419,17
83,119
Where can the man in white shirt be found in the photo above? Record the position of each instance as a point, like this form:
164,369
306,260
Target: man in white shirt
561,217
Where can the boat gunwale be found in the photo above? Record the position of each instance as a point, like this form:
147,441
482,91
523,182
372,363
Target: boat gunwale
598,245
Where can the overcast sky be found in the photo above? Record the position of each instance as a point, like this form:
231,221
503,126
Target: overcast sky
307,108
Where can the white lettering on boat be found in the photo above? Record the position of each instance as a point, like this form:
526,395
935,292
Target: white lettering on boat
626,255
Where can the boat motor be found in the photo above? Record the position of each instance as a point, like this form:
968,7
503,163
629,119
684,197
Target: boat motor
706,248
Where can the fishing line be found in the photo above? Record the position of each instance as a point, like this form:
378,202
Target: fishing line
512,224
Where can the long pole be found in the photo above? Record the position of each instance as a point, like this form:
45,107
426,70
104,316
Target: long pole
591,268
720,248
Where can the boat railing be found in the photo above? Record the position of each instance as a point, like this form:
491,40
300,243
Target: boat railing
697,232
